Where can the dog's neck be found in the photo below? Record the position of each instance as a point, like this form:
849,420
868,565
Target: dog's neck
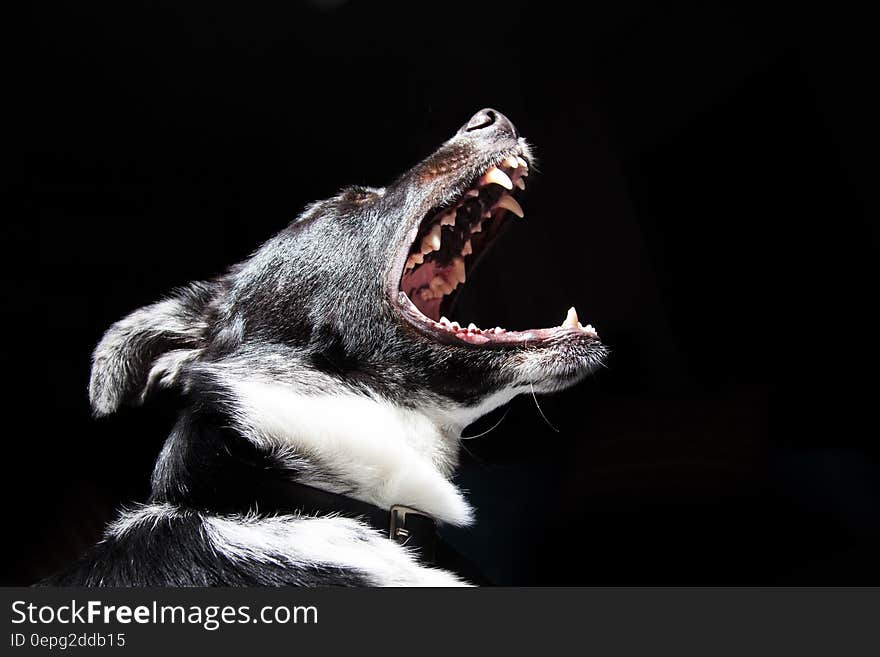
356,445
369,449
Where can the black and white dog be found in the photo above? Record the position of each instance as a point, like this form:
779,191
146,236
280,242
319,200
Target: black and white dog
324,389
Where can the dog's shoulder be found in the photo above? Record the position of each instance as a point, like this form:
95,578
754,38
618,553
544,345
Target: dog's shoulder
166,545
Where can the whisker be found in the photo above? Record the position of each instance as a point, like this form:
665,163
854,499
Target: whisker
492,428
538,406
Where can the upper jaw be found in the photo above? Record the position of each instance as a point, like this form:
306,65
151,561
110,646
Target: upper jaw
442,180
492,175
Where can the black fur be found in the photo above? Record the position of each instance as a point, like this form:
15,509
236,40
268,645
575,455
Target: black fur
315,307
174,552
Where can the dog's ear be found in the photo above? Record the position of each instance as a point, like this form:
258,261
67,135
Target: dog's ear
147,349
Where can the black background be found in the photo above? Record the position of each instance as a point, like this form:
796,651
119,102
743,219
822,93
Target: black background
702,199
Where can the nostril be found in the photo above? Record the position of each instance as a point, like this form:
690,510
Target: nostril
480,120
493,122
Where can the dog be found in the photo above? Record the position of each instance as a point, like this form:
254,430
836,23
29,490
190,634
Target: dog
323,389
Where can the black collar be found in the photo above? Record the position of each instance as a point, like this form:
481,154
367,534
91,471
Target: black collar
406,526
402,524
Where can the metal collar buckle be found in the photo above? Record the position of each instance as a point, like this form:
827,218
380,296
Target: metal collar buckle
397,527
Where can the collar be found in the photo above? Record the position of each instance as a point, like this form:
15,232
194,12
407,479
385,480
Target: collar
401,524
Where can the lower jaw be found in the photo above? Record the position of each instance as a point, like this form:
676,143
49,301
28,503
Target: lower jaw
452,333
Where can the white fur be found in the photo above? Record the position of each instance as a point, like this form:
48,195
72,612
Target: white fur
454,419
323,541
129,519
329,541
383,454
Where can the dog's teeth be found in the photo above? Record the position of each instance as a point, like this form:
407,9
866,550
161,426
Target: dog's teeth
498,329
457,272
519,182
431,241
588,329
443,320
523,164
497,176
509,203
472,193
455,326
511,161
571,319
477,227
472,327
467,249
448,219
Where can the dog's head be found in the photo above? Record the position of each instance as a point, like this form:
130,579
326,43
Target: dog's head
356,292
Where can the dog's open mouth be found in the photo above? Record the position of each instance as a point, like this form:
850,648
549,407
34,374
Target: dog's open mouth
449,242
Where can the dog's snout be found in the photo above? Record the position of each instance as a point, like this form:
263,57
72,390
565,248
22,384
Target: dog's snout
490,121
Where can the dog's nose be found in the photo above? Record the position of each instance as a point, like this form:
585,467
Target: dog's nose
490,121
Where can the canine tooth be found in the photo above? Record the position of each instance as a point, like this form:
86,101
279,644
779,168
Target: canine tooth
448,219
519,182
457,271
523,164
431,241
467,249
571,319
511,162
497,176
509,203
